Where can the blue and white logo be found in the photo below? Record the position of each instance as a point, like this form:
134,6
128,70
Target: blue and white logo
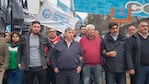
46,13
138,7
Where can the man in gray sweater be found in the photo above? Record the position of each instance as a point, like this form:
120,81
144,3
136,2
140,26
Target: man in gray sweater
31,54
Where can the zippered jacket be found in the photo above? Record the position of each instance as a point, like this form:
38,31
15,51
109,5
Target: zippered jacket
23,51
118,63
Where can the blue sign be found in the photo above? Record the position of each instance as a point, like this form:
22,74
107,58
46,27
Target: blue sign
105,6
121,13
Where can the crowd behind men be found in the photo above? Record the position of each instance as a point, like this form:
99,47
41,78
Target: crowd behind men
76,58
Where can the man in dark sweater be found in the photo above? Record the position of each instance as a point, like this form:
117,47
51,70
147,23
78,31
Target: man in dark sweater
67,59
138,54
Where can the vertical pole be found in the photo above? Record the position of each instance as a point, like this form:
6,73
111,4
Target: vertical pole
73,10
0,4
72,7
11,5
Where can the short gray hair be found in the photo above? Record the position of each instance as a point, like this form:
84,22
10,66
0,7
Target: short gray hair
90,26
68,29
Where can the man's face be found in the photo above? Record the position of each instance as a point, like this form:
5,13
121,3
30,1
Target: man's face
69,35
114,30
83,30
132,30
35,28
90,32
52,33
96,33
143,27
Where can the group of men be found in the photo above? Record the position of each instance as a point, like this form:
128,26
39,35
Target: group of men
64,60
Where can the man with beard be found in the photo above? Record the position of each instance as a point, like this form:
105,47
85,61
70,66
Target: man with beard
31,54
113,51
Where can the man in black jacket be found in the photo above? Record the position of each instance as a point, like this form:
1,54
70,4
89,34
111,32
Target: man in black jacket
113,51
138,54
31,54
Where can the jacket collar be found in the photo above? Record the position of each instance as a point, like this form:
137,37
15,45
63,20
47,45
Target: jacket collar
110,38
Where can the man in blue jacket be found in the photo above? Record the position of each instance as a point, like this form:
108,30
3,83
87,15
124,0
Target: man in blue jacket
67,59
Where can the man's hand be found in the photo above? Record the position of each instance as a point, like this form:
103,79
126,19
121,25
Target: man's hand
111,54
78,69
131,71
19,65
81,58
56,70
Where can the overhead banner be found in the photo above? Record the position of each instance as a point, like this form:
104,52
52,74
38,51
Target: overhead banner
139,7
89,6
52,16
65,8
30,9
